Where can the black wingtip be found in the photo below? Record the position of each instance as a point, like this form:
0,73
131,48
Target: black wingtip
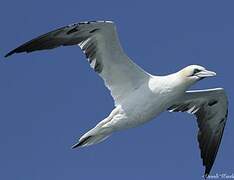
206,175
207,172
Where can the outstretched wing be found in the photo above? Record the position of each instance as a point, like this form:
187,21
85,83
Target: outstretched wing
99,41
211,109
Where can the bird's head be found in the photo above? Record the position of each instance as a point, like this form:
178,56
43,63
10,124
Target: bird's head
193,73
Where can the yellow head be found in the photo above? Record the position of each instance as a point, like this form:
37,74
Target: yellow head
193,73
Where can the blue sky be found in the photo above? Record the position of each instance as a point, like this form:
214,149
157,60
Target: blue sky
49,99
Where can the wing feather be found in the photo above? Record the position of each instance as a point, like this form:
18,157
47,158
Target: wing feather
99,42
211,113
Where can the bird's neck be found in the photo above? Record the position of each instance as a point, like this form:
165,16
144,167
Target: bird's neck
178,82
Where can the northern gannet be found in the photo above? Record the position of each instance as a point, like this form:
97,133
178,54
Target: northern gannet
138,95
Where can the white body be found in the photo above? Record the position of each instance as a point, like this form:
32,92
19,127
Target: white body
142,105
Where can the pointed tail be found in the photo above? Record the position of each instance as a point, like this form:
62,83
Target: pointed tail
94,136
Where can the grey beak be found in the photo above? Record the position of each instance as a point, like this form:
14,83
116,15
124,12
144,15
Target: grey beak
205,73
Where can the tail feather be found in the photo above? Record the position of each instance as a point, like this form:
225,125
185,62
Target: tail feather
80,143
91,137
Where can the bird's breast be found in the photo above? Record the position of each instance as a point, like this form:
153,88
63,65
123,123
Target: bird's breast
145,103
143,106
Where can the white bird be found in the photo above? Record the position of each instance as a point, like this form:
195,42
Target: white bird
138,95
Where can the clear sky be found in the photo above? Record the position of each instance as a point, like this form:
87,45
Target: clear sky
49,99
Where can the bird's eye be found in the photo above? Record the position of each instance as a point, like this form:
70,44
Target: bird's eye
196,71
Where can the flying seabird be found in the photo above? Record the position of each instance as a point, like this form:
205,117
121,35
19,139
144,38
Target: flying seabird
138,95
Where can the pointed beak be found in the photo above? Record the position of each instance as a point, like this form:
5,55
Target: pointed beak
205,73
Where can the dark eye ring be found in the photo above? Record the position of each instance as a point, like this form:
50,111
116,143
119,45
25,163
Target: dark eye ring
196,71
